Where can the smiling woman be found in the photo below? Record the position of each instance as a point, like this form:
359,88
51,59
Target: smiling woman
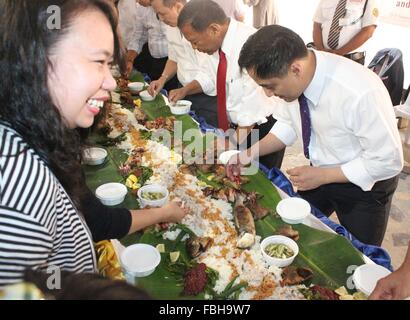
53,81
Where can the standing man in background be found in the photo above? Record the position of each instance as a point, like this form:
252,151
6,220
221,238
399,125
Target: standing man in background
343,26
233,9
265,12
127,14
186,63
147,47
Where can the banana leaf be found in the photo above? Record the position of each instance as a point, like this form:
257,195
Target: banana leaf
328,255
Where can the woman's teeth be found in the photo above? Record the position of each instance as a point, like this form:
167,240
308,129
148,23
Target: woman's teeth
95,103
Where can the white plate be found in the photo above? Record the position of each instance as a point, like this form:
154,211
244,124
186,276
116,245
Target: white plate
366,276
225,156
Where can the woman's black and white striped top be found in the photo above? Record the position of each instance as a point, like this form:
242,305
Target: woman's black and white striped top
39,225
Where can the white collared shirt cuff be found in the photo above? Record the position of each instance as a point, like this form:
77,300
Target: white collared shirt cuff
247,120
355,171
284,133
206,84
135,47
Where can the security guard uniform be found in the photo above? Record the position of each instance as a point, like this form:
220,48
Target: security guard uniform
358,14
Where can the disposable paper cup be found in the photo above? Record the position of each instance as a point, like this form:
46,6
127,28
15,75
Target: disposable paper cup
111,194
293,210
153,188
139,260
280,240
94,156
181,107
366,276
136,87
146,96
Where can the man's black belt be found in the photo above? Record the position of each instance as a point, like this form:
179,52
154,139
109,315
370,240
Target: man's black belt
356,56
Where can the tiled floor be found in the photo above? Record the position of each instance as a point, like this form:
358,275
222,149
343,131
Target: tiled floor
398,230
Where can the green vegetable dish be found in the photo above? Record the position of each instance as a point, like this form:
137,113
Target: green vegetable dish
148,195
278,250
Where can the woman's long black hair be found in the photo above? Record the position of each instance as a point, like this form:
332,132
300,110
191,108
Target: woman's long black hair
26,41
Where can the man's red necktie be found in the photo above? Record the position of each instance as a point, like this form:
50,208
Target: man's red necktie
221,92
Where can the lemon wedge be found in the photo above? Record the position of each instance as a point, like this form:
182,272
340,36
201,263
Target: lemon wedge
174,256
160,247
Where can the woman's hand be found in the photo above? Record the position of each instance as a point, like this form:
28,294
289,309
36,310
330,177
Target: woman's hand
174,211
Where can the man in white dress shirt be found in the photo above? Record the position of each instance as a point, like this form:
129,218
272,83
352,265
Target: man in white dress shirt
233,8
345,120
147,46
344,26
185,62
127,14
205,25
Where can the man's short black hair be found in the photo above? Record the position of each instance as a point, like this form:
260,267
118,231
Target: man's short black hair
271,50
200,14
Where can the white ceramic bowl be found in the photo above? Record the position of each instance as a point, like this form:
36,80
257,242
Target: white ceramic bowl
136,87
225,156
94,156
146,96
283,240
111,194
139,260
181,107
293,210
366,276
153,188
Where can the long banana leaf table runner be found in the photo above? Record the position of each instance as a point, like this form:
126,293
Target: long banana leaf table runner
200,258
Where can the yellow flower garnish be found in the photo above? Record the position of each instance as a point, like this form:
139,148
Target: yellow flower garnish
133,178
136,186
137,103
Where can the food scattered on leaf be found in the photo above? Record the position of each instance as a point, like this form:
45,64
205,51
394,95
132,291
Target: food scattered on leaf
289,232
295,275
